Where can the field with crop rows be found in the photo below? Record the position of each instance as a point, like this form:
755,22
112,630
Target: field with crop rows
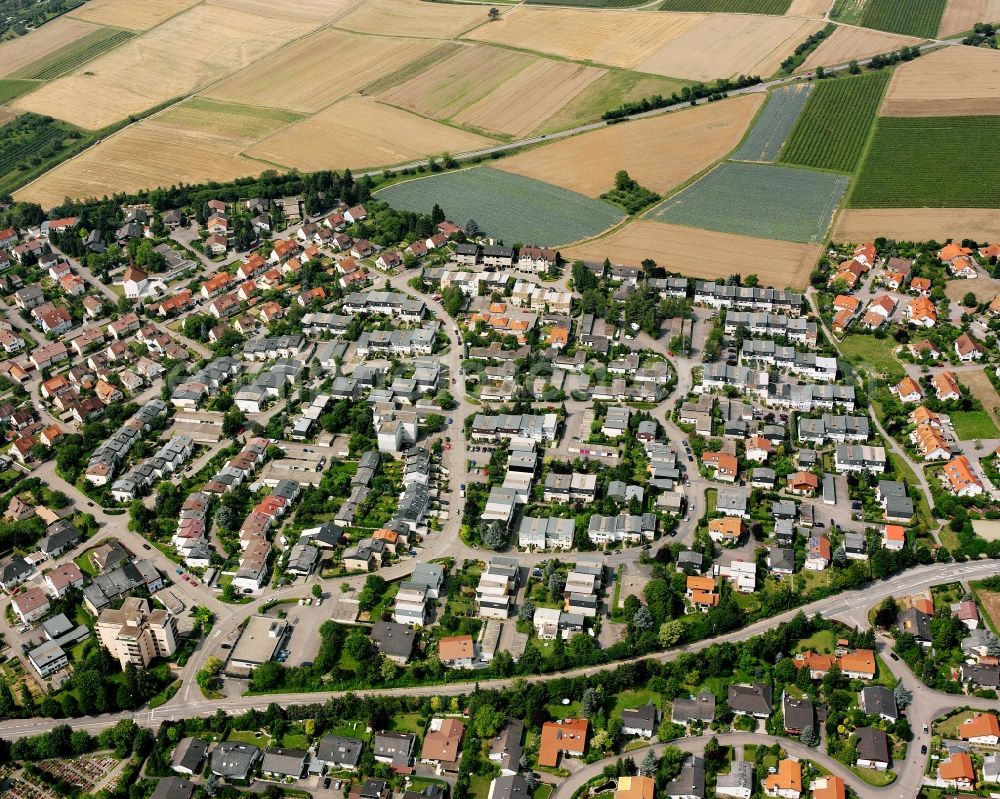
930,161
729,6
29,144
833,128
771,202
505,205
72,55
911,17
588,3
773,124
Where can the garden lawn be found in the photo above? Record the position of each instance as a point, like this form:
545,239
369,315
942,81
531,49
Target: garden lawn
507,206
560,711
822,641
295,740
929,162
879,779
633,699
974,424
868,351
762,200
407,722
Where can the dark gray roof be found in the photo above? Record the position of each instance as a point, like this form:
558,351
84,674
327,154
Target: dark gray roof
510,787
234,759
691,780
173,788
873,744
190,753
700,707
916,623
339,749
799,713
755,698
877,700
642,718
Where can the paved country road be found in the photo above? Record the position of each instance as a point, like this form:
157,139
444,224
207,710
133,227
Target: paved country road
849,605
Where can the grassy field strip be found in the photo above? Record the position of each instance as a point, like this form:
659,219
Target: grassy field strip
776,7
911,17
68,58
929,162
9,89
509,206
764,140
762,200
832,131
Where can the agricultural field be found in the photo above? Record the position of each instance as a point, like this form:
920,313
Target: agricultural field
729,6
764,140
917,224
18,53
808,8
30,144
982,389
614,38
617,86
68,58
910,17
588,3
959,80
505,205
451,85
960,15
312,10
763,200
420,20
128,14
836,123
298,77
970,425
359,132
847,44
171,60
194,142
659,152
755,45
703,253
9,89
525,102
929,161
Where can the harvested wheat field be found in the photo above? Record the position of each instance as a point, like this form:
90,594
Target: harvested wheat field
312,10
129,14
754,45
414,18
917,224
526,101
299,77
808,8
169,61
703,253
193,142
458,81
961,15
18,53
659,152
846,44
616,38
359,132
953,81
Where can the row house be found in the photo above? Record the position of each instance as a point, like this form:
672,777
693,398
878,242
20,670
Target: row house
797,329
396,342
746,298
840,429
807,364
811,397
166,462
390,303
855,459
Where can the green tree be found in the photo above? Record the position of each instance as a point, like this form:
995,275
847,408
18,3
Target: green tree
317,590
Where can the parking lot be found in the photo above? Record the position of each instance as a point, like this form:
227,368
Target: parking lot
303,641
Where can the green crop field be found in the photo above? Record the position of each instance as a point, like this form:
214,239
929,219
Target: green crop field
506,205
9,89
588,3
832,130
911,17
772,126
32,143
762,200
68,58
936,162
973,424
729,6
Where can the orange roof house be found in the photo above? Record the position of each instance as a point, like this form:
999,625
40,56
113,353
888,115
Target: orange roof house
908,390
859,664
921,311
787,779
950,251
456,648
946,386
728,528
957,770
726,466
829,787
921,285
559,337
442,741
845,302
817,664
803,482
841,320
961,480
924,415
865,253
983,726
565,737
635,788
